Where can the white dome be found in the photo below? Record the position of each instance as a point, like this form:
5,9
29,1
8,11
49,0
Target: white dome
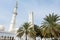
16,29
1,28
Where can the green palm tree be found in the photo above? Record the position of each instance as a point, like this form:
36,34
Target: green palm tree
25,29
20,32
50,27
38,31
32,33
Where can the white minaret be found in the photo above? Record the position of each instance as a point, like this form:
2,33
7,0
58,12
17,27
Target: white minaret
13,21
31,20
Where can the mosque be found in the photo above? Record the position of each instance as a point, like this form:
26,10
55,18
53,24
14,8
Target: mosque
11,33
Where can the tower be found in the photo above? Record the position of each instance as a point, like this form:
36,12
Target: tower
31,23
31,20
13,21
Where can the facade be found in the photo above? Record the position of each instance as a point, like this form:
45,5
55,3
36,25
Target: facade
7,36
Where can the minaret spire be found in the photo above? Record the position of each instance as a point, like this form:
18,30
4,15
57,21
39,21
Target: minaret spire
16,6
16,3
31,20
13,21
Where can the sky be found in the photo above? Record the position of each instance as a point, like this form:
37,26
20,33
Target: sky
40,8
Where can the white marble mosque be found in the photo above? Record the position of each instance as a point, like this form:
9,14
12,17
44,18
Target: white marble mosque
12,30
11,33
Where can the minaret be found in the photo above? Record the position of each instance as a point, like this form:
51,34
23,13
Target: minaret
13,21
31,23
31,20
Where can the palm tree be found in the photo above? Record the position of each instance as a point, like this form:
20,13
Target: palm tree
38,31
32,33
25,29
50,26
20,32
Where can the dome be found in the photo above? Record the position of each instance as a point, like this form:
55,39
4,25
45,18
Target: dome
1,28
16,29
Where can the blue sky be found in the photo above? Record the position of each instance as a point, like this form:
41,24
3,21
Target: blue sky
41,8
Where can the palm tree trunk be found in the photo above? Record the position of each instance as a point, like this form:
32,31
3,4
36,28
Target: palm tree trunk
26,35
35,38
41,38
20,38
